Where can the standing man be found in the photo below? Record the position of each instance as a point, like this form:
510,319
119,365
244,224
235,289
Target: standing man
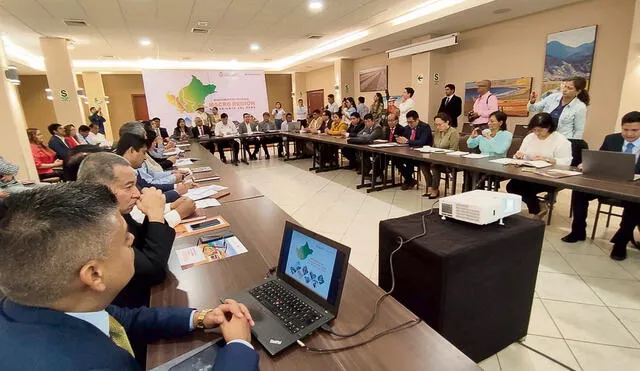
203,116
451,104
332,106
406,104
417,134
302,113
225,129
362,108
96,118
627,141
484,106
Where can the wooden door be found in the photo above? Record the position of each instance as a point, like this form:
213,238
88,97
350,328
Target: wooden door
315,100
140,110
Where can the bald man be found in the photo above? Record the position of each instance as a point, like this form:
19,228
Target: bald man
484,105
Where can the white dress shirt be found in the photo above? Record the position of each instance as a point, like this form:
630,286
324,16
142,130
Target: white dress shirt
301,113
224,130
333,107
556,146
84,140
405,107
278,114
99,140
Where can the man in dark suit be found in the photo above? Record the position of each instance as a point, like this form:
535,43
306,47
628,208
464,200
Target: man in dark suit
451,104
627,141
356,125
416,134
133,148
393,130
160,131
56,313
57,143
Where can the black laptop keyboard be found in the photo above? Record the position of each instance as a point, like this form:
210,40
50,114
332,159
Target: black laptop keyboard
294,314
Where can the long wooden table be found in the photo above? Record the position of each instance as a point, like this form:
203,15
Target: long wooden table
627,191
259,224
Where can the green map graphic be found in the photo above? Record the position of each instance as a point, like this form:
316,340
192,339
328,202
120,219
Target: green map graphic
191,96
304,251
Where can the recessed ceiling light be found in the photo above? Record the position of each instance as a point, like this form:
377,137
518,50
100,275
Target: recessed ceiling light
145,42
315,5
254,46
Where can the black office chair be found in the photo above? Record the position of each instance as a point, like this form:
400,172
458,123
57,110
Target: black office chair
521,131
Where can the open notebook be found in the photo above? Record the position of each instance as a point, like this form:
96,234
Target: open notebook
512,161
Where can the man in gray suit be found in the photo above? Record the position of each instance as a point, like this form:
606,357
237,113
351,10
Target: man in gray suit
247,126
371,132
265,126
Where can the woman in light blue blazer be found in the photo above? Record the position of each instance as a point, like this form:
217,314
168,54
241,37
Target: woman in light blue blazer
494,141
568,109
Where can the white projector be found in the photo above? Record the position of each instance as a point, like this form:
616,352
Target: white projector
480,207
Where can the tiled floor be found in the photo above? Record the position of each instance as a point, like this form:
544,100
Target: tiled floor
586,312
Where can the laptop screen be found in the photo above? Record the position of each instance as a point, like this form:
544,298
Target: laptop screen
312,262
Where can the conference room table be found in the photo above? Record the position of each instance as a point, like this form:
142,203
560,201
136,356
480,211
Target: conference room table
622,190
259,224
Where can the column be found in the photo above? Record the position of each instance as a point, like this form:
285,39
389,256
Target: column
94,90
14,145
344,69
62,81
631,84
299,84
337,80
421,65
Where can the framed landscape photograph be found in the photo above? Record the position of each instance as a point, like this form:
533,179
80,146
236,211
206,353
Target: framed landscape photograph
568,54
373,79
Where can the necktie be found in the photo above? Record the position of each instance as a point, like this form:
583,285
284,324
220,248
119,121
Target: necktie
391,134
447,102
629,148
413,134
119,336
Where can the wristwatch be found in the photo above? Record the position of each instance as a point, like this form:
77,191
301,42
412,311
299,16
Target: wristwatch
200,318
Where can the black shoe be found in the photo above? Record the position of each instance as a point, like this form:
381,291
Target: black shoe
434,197
573,238
267,157
619,252
253,157
224,159
280,155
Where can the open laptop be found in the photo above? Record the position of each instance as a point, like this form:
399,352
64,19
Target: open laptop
609,165
303,294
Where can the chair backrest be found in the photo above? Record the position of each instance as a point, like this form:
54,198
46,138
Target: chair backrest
462,143
466,128
515,146
577,145
520,131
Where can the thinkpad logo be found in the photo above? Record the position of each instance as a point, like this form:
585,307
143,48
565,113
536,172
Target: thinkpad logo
271,341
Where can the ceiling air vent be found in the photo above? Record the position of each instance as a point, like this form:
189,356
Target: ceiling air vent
313,36
75,22
199,30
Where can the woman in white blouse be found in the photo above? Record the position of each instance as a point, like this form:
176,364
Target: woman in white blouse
543,144
279,114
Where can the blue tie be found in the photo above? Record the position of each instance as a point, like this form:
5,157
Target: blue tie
629,148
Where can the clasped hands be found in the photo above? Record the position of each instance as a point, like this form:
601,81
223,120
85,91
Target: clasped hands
232,317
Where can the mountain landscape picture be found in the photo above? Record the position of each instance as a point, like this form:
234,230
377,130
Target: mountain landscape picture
568,54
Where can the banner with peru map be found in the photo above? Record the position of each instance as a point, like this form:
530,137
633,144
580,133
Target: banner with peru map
174,94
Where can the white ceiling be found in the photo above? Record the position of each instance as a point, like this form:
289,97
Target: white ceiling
278,26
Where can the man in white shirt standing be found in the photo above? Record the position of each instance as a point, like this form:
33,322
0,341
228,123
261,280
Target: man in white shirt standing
332,106
406,104
362,108
484,106
203,116
302,113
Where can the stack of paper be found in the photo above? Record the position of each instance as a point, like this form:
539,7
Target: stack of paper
207,202
184,162
458,153
512,161
429,149
203,192
384,145
475,155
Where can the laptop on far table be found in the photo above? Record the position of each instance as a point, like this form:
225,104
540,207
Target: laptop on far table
303,294
609,165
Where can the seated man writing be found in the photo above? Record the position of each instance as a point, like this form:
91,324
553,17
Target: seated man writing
56,313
